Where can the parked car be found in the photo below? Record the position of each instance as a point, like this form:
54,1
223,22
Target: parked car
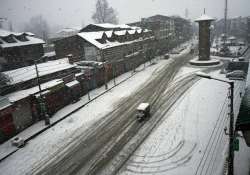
143,112
236,75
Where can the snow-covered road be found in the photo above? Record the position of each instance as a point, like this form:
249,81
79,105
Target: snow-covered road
190,139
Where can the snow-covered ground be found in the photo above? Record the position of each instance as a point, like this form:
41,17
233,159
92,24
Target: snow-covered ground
64,132
190,139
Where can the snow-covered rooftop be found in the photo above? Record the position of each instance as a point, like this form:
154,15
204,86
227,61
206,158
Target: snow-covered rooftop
111,26
18,95
31,40
27,73
72,83
204,17
28,35
93,37
66,32
4,33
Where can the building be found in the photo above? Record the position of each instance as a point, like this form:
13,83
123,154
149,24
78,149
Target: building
26,77
19,49
7,127
235,27
183,29
168,31
72,46
20,109
163,28
65,32
107,42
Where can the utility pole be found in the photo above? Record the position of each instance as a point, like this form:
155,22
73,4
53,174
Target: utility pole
231,122
88,85
105,70
231,131
114,74
41,100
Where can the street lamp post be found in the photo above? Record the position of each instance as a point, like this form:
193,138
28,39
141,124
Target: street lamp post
231,125
41,100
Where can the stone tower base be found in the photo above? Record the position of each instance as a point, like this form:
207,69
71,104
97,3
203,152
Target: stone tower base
211,62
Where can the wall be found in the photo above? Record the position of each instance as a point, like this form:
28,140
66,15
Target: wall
22,115
17,57
71,45
91,53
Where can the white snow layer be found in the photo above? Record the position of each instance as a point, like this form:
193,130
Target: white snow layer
190,140
27,73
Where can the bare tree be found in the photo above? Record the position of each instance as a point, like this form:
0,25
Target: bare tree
39,26
104,13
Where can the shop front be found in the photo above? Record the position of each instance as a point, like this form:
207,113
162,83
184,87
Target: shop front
7,126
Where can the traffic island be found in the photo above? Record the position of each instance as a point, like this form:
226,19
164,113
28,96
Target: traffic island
210,62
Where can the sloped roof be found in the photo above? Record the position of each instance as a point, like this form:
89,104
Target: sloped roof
121,32
105,26
93,37
4,33
158,17
112,26
27,73
31,41
18,95
30,37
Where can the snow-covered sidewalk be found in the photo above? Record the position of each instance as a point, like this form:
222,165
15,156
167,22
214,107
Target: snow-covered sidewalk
190,139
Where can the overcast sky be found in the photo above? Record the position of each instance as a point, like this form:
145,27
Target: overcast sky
74,12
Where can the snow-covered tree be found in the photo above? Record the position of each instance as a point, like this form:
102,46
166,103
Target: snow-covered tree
104,13
39,26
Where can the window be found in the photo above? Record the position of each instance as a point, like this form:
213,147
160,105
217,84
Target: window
22,38
101,41
9,39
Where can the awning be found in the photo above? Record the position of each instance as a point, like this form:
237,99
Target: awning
4,103
72,83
